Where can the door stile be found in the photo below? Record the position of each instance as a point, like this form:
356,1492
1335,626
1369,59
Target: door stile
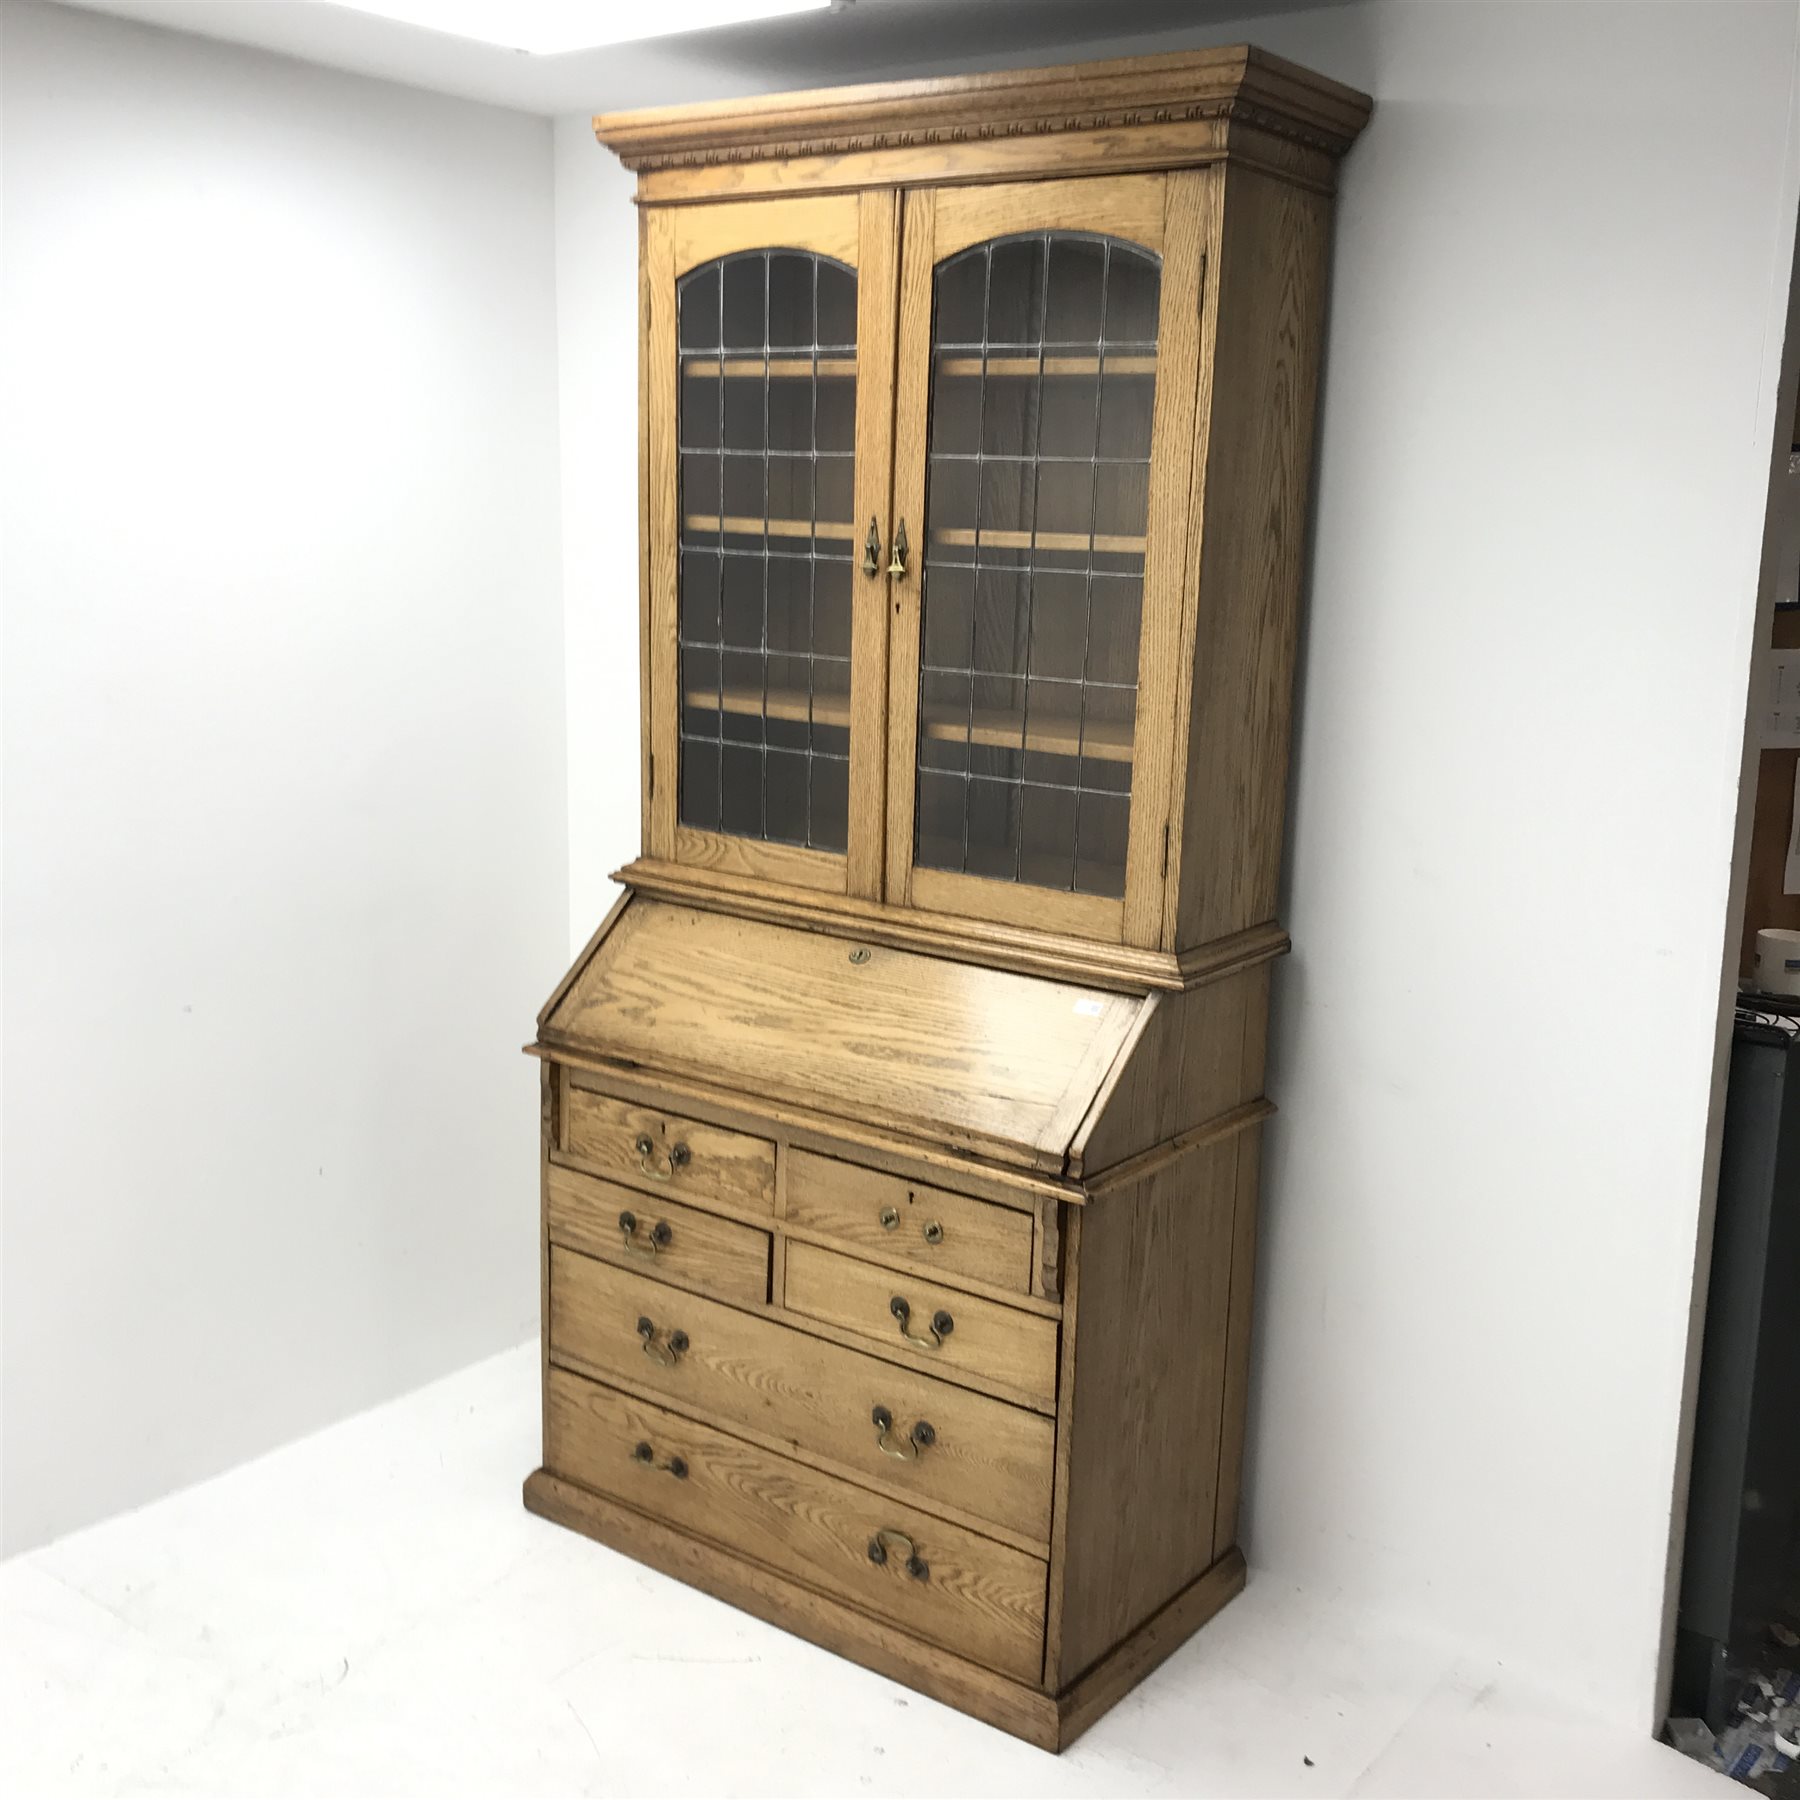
878,274
912,405
1166,601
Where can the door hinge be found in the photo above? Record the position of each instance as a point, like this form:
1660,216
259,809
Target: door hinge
1165,867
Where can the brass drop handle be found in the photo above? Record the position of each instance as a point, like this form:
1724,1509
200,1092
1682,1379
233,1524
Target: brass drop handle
887,1543
677,1158
905,1449
872,549
898,565
667,1353
676,1465
940,1327
658,1237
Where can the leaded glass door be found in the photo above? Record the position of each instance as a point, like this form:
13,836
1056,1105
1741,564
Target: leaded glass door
1045,423
769,375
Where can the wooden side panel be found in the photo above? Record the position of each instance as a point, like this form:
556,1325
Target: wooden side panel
1143,1418
1246,1205
1197,1056
1253,479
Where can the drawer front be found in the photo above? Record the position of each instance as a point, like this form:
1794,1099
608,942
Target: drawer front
668,1154
659,1237
976,1597
889,1217
979,1455
944,1329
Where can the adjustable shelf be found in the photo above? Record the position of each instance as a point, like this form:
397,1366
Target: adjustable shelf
999,728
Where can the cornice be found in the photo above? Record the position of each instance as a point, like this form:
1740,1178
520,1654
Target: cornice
1238,85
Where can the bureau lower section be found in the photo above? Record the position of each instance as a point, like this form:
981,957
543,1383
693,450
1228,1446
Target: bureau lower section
975,1429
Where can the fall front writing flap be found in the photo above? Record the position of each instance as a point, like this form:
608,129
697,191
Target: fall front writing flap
1003,1064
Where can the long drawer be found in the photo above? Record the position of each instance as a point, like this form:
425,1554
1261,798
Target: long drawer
665,1153
939,1326
659,1236
889,1217
979,1455
943,1583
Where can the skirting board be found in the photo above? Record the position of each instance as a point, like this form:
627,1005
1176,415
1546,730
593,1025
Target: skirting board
1050,1721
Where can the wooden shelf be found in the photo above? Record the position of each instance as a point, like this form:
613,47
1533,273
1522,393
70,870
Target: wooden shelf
995,727
781,703
1105,543
999,728
777,368
735,526
1052,365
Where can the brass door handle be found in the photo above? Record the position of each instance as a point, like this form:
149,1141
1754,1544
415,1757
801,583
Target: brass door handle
872,550
898,565
940,1327
886,1543
905,1449
678,1157
658,1237
667,1353
676,1465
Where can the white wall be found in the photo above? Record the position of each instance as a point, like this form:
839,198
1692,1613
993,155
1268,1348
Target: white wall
1559,281
285,869
597,331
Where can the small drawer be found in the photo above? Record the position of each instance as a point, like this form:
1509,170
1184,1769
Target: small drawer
888,1217
940,1445
946,1330
936,1580
663,1152
659,1237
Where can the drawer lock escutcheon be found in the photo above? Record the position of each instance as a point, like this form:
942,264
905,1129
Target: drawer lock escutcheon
940,1327
677,1158
887,1543
676,1465
658,1237
901,1449
669,1351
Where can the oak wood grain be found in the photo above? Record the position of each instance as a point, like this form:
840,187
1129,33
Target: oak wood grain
980,1598
687,1160
990,1460
1233,1420
947,1233
1184,1065
667,1240
1014,1348
1059,101
800,1127
1013,1706
1256,471
1145,1413
1026,950
789,1014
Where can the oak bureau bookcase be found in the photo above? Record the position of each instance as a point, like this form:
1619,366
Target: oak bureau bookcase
901,1123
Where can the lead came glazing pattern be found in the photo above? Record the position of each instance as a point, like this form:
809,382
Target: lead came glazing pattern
767,438
1042,393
